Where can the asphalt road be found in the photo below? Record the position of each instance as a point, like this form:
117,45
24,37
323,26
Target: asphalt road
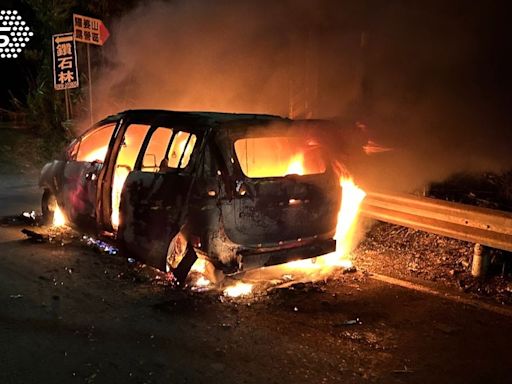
68,314
18,193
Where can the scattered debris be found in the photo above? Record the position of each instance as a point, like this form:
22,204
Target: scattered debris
30,215
24,218
35,236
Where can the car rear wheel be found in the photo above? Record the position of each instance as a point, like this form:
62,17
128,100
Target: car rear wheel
48,206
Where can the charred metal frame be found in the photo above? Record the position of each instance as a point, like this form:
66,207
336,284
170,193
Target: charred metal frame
235,232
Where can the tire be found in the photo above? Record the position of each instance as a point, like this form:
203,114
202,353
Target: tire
180,258
48,204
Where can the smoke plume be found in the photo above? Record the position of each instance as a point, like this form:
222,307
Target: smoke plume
430,79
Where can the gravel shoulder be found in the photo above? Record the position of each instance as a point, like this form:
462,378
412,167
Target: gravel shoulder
409,254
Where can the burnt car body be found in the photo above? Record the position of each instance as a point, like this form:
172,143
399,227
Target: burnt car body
173,186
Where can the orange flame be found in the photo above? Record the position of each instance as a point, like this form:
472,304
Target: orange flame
120,176
59,220
296,166
352,197
199,266
345,232
97,154
238,290
371,147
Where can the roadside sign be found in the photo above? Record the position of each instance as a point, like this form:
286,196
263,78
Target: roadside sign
89,30
65,70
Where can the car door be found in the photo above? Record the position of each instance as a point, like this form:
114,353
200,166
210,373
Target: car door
155,194
85,159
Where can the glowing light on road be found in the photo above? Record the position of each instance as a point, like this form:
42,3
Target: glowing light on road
238,290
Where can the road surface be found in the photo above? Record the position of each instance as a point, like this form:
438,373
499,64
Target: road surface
71,315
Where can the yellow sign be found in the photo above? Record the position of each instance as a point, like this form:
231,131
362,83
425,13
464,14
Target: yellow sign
65,70
89,30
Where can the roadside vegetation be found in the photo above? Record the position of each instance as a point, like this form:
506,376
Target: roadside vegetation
43,109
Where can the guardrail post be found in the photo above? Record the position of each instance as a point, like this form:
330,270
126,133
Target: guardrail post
480,261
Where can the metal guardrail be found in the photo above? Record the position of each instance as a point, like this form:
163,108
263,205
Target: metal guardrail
483,226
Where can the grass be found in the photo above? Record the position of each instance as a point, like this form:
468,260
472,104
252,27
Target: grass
21,151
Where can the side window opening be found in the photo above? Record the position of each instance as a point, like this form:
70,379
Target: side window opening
158,158
130,147
156,150
93,146
181,149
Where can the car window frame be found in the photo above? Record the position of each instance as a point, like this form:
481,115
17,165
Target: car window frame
175,131
77,143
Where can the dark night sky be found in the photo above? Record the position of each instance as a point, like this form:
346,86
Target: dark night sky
488,71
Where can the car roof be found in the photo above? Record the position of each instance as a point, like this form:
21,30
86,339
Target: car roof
197,119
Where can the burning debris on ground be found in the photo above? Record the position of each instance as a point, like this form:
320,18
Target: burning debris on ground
54,235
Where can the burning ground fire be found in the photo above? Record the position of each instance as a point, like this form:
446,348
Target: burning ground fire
59,220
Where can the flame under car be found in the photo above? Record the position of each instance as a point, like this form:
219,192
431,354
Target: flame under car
240,190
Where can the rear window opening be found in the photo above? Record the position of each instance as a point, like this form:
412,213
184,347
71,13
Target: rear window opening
279,156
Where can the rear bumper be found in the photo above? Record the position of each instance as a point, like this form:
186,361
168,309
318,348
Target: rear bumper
256,258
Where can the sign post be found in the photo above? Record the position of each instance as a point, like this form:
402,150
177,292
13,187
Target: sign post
89,76
90,31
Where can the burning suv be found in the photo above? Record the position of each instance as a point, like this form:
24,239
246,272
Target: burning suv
240,190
